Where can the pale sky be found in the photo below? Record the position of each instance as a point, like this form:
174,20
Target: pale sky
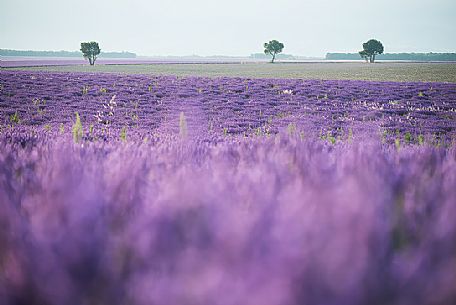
236,27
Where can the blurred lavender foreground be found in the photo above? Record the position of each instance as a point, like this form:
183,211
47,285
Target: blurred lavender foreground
170,190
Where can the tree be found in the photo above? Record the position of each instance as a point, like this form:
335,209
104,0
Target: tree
90,50
273,48
371,49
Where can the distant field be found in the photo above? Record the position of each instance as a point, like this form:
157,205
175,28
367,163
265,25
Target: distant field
423,72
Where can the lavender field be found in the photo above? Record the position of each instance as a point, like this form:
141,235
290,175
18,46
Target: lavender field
147,189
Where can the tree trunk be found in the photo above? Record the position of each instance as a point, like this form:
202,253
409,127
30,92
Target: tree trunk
273,57
373,58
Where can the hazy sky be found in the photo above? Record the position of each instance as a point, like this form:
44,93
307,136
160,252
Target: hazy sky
236,27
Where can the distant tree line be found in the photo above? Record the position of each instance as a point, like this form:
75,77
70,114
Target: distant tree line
396,56
5,52
278,56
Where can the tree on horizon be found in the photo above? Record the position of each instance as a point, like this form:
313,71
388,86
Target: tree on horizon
90,50
370,49
273,47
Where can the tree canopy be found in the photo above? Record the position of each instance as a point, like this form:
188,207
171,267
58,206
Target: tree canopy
371,49
90,50
273,47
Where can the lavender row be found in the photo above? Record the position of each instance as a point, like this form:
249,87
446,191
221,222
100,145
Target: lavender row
227,106
259,221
